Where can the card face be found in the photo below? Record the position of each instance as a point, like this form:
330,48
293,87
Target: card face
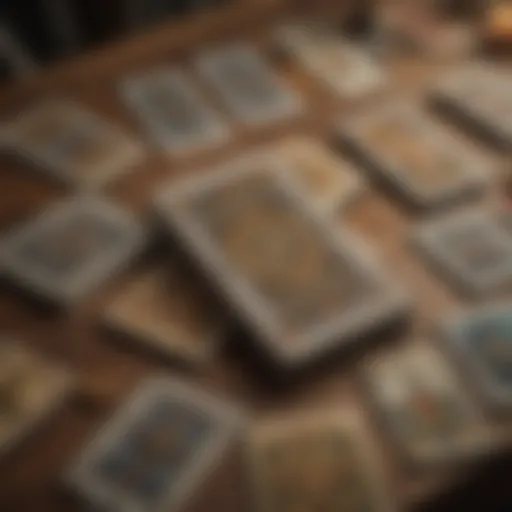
71,248
31,388
156,449
321,462
167,309
301,286
71,143
426,162
471,247
332,60
173,111
328,181
483,338
247,85
426,408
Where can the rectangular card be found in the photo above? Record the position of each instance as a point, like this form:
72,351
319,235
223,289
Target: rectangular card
71,143
156,450
173,111
427,163
31,388
425,407
166,308
329,182
470,248
71,248
315,462
334,61
301,286
247,85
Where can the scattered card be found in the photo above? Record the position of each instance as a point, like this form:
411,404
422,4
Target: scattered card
425,407
427,163
317,462
71,248
71,143
302,287
166,308
471,248
173,111
247,85
156,450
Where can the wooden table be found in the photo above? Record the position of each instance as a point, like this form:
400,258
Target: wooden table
109,371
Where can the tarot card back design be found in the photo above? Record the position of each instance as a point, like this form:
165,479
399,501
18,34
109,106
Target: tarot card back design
156,449
166,308
247,85
72,143
299,286
425,408
316,463
173,111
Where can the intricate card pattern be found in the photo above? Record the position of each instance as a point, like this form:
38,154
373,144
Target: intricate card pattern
72,143
156,449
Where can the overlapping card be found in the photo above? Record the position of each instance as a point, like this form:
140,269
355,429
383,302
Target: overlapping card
71,143
300,286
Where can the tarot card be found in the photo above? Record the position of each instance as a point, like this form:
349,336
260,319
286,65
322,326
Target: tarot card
471,248
31,388
156,449
71,143
328,181
172,109
247,85
166,308
71,248
331,59
428,164
302,287
426,408
483,339
315,462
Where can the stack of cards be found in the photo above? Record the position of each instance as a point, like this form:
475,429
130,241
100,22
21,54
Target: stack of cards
480,96
329,182
247,85
156,450
470,248
428,164
301,287
173,111
425,408
71,248
319,462
335,62
31,388
71,143
166,309
483,340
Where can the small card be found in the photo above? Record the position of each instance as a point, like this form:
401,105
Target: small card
173,111
247,85
425,407
427,163
156,450
483,340
31,388
71,248
316,462
72,143
300,285
329,181
331,59
471,248
167,309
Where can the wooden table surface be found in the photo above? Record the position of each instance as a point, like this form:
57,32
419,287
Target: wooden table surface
109,371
